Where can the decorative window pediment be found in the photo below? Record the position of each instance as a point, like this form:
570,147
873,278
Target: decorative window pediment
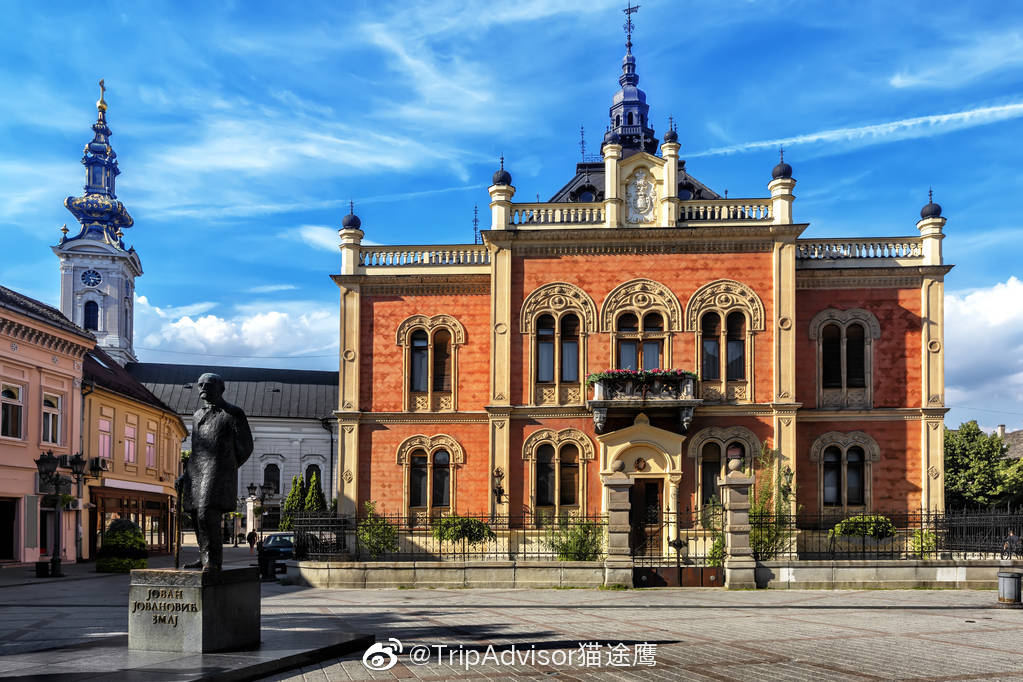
556,438
558,298
725,296
406,328
641,296
844,441
430,444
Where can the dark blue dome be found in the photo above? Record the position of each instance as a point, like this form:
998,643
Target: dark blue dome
782,170
671,136
931,210
351,221
502,177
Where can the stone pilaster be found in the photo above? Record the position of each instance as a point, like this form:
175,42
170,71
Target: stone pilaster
500,206
740,568
618,564
932,369
669,213
348,401
781,200
612,182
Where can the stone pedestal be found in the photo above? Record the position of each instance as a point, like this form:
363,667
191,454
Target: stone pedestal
192,611
740,567
618,565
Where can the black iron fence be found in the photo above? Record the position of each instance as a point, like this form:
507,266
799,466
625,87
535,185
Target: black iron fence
378,537
687,537
893,535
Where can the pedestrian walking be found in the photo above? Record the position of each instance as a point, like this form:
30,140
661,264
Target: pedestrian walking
252,537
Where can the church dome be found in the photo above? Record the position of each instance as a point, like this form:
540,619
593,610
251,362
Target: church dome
931,210
351,221
671,136
501,176
782,170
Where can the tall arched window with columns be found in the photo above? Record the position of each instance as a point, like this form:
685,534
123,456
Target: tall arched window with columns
845,470
557,319
430,359
557,471
430,467
724,317
844,341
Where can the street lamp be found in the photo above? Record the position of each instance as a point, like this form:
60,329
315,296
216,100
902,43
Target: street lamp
260,492
47,466
77,464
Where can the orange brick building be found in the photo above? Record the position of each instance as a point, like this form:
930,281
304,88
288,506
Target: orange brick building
463,368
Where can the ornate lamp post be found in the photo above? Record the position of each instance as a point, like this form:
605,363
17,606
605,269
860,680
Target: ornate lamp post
78,475
47,466
263,491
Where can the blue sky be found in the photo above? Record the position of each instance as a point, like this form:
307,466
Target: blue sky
243,130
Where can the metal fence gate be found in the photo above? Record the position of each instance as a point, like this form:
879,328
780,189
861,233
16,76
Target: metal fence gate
678,549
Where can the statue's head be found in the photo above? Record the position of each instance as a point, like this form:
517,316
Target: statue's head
211,388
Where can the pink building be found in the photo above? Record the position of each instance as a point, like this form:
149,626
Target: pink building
41,354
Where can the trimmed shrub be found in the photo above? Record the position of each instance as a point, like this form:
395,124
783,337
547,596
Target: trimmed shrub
123,548
469,531
376,535
576,540
865,525
314,499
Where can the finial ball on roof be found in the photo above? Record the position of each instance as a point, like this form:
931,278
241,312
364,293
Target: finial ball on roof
931,210
671,136
501,176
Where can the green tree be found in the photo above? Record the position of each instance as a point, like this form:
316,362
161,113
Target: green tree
976,471
376,535
314,499
293,503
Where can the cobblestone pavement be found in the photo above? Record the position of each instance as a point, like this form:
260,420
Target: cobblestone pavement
699,634
695,634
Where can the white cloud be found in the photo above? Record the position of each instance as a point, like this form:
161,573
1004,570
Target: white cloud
984,354
952,67
892,131
293,334
270,288
318,236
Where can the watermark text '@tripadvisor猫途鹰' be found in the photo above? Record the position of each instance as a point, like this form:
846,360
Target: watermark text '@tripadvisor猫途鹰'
385,655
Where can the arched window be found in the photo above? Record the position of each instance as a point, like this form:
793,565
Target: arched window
429,485
431,361
844,463
569,349
831,356
545,349
272,478
629,118
832,466
442,360
710,469
725,316
309,471
430,465
736,348
640,341
618,120
844,340
558,460
710,449
420,361
90,317
710,334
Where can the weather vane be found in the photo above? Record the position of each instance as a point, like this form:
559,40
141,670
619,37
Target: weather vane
582,142
629,11
476,224
101,104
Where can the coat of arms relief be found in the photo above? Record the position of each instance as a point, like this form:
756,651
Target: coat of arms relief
640,195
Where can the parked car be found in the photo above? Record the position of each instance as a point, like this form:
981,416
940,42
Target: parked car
279,546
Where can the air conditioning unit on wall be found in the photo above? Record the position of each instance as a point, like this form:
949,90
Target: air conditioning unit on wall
100,464
74,504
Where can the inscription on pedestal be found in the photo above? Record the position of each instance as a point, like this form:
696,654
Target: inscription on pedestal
191,611
167,605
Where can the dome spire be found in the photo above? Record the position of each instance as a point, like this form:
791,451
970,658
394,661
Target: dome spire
102,216
629,110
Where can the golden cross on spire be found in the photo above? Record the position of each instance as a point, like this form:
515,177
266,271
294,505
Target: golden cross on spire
101,105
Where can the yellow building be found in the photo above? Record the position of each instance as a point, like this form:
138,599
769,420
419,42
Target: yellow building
133,443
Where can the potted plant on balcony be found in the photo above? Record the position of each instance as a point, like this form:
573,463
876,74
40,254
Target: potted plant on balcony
610,384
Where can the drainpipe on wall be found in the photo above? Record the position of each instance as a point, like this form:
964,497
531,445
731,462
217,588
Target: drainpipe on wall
327,424
87,388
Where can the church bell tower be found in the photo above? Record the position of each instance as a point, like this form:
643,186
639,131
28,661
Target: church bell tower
97,272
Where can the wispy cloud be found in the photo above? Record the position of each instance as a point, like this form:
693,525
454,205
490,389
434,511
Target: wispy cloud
952,67
270,288
892,131
319,236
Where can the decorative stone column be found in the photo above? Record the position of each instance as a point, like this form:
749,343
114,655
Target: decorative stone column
612,152
250,513
618,564
740,568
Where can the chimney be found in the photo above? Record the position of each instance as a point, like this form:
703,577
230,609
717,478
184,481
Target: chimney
1001,431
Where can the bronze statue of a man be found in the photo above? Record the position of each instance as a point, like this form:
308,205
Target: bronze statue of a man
221,442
